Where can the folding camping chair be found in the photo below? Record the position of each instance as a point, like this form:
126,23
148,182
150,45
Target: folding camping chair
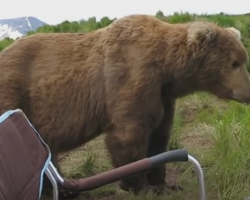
25,158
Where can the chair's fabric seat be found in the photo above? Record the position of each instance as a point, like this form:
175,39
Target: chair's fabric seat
23,158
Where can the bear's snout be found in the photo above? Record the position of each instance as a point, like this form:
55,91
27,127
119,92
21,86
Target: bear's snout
242,95
238,81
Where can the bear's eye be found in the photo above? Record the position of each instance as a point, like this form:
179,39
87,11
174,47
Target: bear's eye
236,64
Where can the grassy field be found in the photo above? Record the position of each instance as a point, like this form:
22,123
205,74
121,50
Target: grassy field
215,132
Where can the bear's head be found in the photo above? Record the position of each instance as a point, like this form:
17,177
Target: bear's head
218,60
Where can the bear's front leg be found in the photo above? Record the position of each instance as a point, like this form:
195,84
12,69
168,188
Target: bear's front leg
158,143
134,114
126,145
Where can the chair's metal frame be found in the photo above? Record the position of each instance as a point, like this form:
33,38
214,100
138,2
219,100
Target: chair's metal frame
56,178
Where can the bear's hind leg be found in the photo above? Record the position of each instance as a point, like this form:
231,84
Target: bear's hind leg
158,144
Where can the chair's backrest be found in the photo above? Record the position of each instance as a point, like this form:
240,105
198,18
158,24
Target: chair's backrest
23,158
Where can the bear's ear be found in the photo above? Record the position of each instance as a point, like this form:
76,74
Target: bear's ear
234,31
199,36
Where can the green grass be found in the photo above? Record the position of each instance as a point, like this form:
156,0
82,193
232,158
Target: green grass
215,132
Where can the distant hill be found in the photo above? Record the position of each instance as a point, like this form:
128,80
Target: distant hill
18,27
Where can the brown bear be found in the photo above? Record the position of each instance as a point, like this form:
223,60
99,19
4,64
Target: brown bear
122,80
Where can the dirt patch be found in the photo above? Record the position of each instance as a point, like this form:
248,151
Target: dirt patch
198,136
173,174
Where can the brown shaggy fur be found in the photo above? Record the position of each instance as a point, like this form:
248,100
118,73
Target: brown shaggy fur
122,80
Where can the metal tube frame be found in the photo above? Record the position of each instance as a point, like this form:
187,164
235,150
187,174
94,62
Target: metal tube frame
54,184
56,178
55,173
199,171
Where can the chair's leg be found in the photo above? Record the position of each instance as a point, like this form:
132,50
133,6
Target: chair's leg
199,171
55,173
54,184
63,194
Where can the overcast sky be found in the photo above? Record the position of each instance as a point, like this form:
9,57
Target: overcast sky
56,11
